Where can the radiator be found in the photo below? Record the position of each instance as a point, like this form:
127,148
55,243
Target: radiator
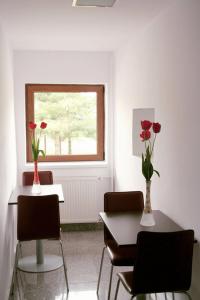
83,198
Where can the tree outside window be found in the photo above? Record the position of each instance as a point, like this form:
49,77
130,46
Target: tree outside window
75,117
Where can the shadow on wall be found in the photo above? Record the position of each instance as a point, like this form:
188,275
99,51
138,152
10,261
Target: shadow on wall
7,259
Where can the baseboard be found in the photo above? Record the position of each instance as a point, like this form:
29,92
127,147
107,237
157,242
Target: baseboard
82,226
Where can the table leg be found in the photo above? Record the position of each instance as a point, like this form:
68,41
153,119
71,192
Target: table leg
39,252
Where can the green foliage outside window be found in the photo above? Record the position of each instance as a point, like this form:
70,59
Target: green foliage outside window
69,116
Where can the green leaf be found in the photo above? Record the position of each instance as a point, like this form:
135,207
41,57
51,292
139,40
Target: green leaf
150,171
148,154
34,152
37,145
157,172
144,166
147,167
42,152
142,158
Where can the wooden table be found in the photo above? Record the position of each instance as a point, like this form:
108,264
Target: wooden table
38,263
124,226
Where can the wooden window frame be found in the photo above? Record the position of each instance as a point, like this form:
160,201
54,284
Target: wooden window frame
30,89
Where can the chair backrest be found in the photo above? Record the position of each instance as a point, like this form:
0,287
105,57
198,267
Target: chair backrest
164,261
46,177
121,201
38,217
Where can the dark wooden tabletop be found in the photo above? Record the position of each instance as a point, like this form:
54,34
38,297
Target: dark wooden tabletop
124,226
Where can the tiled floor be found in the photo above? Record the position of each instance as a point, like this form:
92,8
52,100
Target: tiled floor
82,252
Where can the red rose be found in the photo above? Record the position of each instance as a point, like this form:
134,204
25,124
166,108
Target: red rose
156,127
146,125
43,125
32,125
145,135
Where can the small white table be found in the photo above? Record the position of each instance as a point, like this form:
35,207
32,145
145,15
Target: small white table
38,263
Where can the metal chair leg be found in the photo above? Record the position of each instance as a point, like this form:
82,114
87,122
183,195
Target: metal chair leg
173,298
18,249
102,257
110,283
14,272
20,273
117,289
64,266
12,284
15,277
18,287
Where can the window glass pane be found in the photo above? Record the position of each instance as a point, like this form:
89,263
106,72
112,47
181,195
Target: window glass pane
71,119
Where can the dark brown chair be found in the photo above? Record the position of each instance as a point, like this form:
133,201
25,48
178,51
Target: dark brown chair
163,264
38,218
119,256
46,177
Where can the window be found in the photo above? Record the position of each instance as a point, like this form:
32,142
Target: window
75,118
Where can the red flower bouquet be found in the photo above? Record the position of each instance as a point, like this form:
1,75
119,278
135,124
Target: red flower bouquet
36,140
35,144
147,167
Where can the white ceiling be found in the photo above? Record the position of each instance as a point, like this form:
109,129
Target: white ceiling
56,25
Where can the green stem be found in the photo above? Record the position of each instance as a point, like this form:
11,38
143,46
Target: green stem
153,143
150,148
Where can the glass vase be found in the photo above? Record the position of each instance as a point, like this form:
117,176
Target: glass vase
147,216
36,189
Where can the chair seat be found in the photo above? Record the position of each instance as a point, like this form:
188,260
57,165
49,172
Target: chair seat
121,256
127,280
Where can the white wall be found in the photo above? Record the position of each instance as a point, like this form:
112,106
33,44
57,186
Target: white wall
160,68
62,67
7,167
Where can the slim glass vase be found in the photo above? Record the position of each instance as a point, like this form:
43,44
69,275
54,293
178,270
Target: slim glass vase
147,216
36,189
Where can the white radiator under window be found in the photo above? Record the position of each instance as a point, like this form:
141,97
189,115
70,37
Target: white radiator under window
83,198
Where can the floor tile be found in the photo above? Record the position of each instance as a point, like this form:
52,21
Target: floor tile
82,251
